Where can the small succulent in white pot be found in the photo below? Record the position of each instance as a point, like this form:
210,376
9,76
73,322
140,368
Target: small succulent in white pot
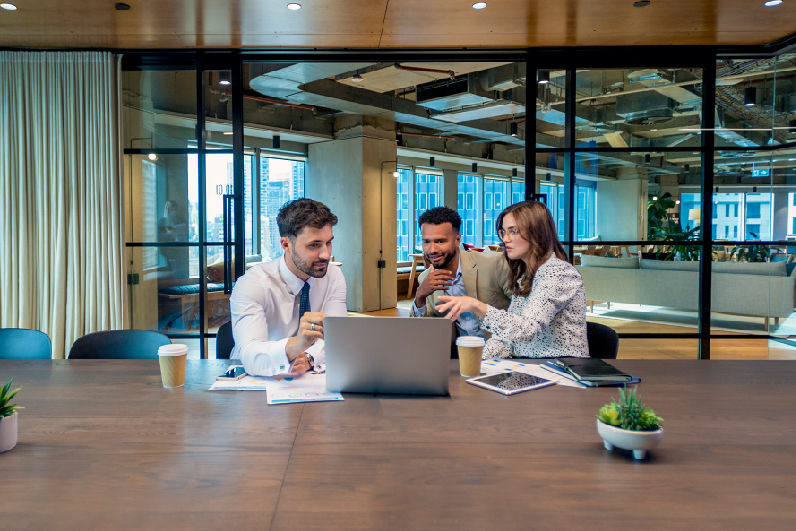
629,425
8,418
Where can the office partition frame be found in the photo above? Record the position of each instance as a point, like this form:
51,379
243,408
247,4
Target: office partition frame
536,59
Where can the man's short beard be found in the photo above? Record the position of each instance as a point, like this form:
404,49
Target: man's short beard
306,268
447,259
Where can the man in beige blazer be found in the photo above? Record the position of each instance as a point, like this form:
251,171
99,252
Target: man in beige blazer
484,276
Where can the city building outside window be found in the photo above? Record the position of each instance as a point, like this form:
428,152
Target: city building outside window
403,191
427,190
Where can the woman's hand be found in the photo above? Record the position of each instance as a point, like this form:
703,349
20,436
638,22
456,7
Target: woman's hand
460,305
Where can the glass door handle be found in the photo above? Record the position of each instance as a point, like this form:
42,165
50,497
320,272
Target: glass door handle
227,226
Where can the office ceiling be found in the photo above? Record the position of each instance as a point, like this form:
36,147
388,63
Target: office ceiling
391,23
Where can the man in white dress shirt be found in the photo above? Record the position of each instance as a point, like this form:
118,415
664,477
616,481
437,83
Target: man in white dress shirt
278,306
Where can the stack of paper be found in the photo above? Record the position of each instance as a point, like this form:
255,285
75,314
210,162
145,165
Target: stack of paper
305,388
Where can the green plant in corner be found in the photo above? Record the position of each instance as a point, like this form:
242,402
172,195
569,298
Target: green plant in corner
752,252
674,232
629,413
658,213
5,397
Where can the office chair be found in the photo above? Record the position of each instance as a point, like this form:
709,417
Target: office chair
119,344
224,341
24,344
603,341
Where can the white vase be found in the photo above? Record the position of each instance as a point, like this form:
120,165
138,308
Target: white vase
8,432
637,441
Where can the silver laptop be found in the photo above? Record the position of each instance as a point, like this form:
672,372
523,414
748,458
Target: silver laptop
399,355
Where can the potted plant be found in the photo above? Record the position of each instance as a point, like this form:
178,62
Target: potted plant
8,418
629,425
751,252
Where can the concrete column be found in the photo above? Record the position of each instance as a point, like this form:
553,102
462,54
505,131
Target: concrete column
450,188
779,213
621,210
353,177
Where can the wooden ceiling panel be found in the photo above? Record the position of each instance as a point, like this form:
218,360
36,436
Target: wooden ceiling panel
393,24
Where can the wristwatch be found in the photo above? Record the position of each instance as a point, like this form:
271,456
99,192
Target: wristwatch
311,361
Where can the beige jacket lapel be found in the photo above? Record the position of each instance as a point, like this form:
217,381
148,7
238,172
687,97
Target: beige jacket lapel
469,274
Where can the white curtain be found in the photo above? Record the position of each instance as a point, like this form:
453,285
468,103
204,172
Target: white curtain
61,219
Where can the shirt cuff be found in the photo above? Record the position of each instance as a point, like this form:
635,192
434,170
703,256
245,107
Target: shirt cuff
318,353
417,311
268,362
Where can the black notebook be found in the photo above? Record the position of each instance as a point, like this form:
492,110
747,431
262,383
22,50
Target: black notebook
592,370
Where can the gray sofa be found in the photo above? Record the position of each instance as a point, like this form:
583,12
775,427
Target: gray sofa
763,289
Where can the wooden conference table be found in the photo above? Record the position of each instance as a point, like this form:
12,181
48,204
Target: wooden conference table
103,446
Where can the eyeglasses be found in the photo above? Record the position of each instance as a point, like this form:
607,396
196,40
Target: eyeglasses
511,233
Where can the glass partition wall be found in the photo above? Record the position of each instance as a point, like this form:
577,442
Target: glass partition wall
632,160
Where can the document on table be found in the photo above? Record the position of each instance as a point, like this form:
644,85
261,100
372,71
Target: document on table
498,365
308,387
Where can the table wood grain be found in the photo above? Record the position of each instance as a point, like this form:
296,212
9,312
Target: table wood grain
103,446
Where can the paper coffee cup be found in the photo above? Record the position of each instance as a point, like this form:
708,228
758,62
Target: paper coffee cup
172,364
471,348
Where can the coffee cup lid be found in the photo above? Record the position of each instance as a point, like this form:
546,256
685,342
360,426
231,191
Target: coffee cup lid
470,341
175,349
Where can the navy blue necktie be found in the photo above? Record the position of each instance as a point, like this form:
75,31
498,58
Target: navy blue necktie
304,302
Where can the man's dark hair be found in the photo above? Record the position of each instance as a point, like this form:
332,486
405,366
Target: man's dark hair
300,213
440,215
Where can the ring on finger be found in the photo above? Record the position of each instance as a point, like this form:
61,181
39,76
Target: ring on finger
312,327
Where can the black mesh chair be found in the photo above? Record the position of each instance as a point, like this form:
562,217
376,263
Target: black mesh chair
119,345
224,341
603,341
24,344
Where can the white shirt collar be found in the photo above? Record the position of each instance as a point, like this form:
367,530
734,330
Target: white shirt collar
294,283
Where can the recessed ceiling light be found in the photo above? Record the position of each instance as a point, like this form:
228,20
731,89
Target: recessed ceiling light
152,156
479,5
641,3
9,7
772,3
224,78
396,174
294,6
227,132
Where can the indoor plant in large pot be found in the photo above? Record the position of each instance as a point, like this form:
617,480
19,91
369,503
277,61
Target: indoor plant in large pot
8,418
629,425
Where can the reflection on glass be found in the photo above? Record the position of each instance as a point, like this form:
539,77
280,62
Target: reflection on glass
218,109
402,207
163,199
159,108
166,296
216,301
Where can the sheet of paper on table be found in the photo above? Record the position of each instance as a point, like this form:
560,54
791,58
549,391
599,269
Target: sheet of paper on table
497,365
305,388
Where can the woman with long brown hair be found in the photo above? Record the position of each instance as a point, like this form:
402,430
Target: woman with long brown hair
547,315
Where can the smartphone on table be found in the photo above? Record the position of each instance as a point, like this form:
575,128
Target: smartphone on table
235,372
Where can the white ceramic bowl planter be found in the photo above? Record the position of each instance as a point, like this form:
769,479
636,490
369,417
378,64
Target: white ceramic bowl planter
8,432
637,441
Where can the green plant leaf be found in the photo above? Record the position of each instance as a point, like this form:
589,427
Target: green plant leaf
6,388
